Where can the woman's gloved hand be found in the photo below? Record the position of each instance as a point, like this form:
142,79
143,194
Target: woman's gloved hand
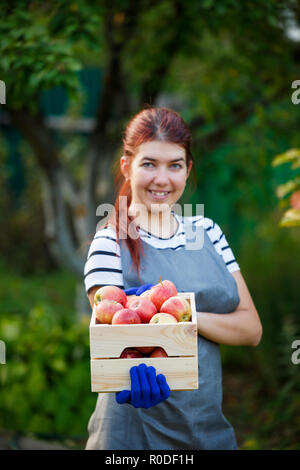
147,388
138,290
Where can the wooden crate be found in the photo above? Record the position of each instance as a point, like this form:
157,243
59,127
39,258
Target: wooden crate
109,373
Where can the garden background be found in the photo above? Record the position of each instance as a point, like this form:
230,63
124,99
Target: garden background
75,72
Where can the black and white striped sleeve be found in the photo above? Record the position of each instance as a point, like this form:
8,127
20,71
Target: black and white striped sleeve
103,264
221,245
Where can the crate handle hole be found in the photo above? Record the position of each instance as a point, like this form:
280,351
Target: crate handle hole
143,351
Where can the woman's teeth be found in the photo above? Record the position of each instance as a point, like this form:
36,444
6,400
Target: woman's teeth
159,193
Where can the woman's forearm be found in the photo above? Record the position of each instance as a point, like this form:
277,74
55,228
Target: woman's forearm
239,328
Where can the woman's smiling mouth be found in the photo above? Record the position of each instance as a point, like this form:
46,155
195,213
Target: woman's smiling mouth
159,194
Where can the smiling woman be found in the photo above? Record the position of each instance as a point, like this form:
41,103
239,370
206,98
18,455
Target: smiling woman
156,165
155,180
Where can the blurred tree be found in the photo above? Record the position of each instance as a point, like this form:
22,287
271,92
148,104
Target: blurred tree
144,48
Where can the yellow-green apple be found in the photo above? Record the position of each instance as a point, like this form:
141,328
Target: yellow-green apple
161,292
163,318
106,309
111,293
130,353
144,308
159,352
178,307
145,349
125,316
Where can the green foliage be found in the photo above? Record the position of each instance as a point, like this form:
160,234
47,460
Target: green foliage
45,383
37,44
42,45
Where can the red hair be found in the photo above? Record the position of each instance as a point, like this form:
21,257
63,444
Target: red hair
151,123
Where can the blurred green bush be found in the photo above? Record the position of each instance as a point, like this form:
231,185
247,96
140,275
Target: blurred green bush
45,383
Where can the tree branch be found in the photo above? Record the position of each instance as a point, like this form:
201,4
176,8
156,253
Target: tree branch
151,88
57,184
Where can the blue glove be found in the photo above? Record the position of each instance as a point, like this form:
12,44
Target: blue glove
147,388
138,290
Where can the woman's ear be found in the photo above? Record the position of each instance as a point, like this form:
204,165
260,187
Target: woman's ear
189,168
124,166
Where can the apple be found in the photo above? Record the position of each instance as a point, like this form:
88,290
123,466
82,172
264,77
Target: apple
144,308
145,294
125,316
111,293
106,309
129,299
295,200
159,352
162,317
178,307
145,349
161,292
130,353
170,286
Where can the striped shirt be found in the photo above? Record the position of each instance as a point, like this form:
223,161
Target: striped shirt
103,266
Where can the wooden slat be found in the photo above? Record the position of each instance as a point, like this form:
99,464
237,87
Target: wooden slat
113,375
177,339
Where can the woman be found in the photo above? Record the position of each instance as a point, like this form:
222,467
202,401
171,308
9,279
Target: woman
132,251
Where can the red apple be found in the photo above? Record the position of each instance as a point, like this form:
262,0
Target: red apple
106,309
295,200
162,317
111,293
145,294
170,286
159,352
125,316
178,307
144,308
161,292
130,298
145,349
130,353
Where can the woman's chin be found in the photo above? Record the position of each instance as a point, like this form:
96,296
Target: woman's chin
156,208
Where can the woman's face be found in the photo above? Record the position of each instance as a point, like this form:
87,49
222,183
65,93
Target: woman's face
157,175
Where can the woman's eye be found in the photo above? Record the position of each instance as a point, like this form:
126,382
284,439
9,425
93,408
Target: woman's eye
147,163
174,165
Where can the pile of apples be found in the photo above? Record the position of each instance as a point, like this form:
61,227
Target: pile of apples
160,304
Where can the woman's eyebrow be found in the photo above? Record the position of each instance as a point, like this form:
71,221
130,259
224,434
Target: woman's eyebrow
155,159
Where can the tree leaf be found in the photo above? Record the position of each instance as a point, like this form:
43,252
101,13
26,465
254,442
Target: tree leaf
291,218
296,164
283,189
290,155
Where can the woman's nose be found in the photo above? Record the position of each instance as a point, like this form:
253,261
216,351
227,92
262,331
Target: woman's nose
161,176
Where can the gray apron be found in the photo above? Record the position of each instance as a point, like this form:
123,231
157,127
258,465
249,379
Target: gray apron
187,419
